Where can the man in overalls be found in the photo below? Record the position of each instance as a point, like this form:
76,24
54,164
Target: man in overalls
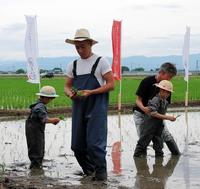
89,79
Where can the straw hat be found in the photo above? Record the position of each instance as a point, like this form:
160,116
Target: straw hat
47,91
165,85
81,35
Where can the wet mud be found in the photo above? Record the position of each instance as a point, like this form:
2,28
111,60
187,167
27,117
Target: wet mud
112,110
60,169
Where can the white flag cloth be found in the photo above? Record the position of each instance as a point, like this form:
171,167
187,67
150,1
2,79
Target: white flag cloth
186,48
31,50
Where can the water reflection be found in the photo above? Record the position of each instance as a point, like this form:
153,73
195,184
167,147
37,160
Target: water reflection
116,157
60,164
158,177
186,168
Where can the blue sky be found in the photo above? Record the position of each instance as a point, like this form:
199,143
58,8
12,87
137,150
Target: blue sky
149,27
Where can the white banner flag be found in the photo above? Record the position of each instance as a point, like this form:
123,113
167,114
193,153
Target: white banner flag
31,50
186,49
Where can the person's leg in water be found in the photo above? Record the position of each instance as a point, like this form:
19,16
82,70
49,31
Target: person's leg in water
139,121
147,134
157,141
170,142
139,124
96,145
141,147
79,147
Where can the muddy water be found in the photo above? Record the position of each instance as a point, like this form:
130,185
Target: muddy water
60,166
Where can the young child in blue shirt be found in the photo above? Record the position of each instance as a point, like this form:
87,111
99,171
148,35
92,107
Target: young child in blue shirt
35,126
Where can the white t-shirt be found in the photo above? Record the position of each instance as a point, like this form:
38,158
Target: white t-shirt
84,66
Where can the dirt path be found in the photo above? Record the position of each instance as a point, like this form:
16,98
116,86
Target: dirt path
113,109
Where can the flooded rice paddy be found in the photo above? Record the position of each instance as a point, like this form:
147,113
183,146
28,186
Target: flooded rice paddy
60,166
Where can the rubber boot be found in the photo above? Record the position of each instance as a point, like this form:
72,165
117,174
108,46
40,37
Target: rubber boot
100,177
140,152
159,153
173,147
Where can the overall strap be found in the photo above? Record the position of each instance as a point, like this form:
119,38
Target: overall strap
74,68
31,111
95,66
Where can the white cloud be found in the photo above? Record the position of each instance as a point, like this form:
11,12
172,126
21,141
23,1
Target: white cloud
17,27
147,26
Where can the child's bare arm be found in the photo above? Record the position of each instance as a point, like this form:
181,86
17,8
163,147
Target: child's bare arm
163,116
54,120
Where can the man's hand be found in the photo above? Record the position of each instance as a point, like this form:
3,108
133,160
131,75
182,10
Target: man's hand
139,103
146,110
86,93
72,93
68,89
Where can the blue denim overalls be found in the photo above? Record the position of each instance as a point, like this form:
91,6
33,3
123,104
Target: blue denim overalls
35,135
89,125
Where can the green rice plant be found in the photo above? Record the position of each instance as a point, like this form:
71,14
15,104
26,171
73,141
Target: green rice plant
2,171
17,93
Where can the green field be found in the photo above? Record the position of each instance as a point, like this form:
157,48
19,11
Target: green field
17,93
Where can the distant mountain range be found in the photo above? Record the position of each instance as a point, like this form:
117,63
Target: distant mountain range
132,62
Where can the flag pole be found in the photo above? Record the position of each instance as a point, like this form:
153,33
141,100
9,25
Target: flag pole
39,84
186,47
40,80
119,108
120,89
186,111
